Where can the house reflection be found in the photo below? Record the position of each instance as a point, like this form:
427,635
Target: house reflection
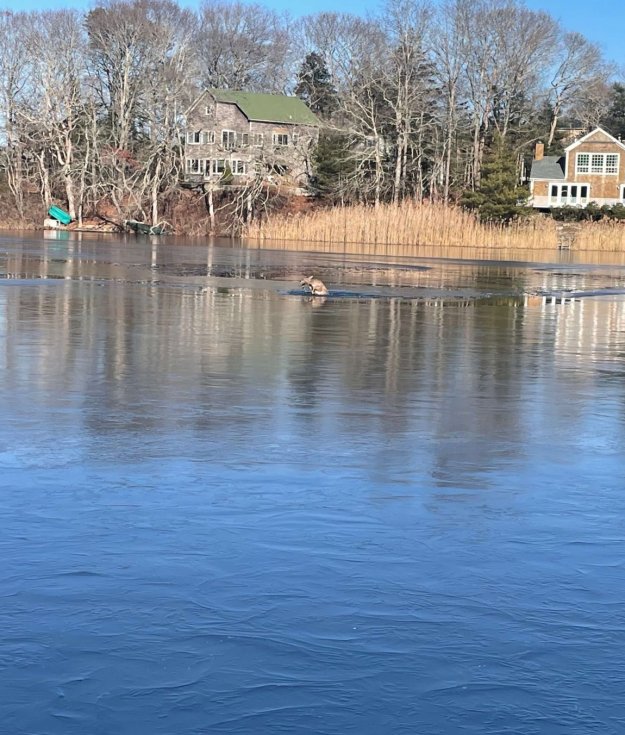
422,387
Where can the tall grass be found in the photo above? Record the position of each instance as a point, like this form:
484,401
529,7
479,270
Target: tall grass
409,227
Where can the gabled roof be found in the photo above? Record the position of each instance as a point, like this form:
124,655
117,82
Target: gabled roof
601,131
276,108
548,167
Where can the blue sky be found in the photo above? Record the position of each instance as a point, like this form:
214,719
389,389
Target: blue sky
602,21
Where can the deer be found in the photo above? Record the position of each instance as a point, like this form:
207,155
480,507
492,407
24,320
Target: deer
316,285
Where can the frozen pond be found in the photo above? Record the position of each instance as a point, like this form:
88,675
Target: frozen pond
230,508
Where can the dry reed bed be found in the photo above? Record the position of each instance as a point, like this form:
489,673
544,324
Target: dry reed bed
407,227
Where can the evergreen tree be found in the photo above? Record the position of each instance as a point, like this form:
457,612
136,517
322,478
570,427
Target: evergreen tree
499,197
314,86
334,167
614,120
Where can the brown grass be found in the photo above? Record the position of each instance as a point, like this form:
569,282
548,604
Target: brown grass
607,236
409,228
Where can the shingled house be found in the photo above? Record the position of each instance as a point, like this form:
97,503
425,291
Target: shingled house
233,137
592,169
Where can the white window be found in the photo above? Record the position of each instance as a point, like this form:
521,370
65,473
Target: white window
197,166
597,163
561,195
259,139
228,138
295,138
196,137
244,139
611,163
280,139
219,166
582,163
237,167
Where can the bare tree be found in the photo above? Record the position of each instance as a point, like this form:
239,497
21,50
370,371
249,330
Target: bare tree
505,48
356,51
448,60
241,46
577,65
141,64
524,46
121,35
590,105
407,87
14,74
52,117
166,95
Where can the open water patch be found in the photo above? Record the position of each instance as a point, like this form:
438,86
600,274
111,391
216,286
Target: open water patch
387,294
573,294
336,295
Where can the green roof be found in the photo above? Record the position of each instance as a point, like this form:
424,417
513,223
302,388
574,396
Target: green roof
276,108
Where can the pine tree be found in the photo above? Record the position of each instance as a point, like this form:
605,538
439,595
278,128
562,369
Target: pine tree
614,120
333,166
499,197
314,86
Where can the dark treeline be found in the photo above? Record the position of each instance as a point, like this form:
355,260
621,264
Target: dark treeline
412,98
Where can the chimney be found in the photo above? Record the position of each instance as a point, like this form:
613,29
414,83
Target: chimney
540,151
